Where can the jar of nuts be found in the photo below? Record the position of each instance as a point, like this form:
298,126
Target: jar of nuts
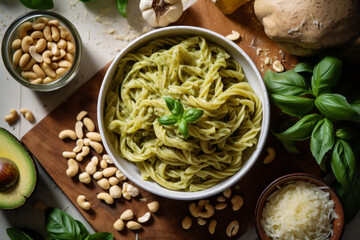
42,50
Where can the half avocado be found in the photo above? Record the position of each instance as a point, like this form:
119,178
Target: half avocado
18,173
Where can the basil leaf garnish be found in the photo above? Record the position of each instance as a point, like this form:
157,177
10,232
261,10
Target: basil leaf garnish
335,106
193,114
322,140
183,128
286,83
301,130
61,225
293,105
343,163
38,4
325,75
168,120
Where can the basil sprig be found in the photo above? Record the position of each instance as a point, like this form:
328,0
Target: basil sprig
59,226
330,120
179,116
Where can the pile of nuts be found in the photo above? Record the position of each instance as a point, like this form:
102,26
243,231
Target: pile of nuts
44,50
103,171
203,211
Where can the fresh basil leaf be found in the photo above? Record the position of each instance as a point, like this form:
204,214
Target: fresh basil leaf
343,163
286,83
336,107
121,6
193,114
293,105
345,133
61,225
38,4
183,128
168,120
178,109
100,236
170,103
350,199
83,231
16,234
325,75
301,130
303,67
322,140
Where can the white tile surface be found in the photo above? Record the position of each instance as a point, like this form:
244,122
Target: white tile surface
93,20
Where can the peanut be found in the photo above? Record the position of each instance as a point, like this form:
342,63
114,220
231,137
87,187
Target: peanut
81,201
12,117
27,114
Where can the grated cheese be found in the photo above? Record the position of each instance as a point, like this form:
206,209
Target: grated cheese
299,210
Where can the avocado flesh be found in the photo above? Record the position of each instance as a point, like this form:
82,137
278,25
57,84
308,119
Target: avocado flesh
12,149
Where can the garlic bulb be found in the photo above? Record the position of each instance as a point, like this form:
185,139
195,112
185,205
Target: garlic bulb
160,13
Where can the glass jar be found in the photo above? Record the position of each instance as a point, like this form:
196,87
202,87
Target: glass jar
62,76
229,6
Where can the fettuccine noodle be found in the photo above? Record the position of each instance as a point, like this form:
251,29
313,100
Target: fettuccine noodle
200,75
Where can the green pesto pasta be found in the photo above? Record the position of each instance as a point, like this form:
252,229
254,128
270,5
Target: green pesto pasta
200,75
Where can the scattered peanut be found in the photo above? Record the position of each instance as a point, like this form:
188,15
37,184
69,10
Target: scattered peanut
84,177
97,175
220,206
84,152
132,225
27,114
89,124
110,171
12,117
277,66
237,202
232,229
96,137
270,156
212,226
67,154
79,145
73,168
153,206
115,191
233,36
127,215
98,147
144,218
186,222
113,181
105,197
81,201
67,134
81,115
79,129
201,221
227,193
119,225
104,183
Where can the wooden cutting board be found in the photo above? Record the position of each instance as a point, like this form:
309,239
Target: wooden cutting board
44,143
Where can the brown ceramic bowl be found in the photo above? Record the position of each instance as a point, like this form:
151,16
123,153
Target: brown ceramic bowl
338,223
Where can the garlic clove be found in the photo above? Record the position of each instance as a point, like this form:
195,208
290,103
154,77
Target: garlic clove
160,13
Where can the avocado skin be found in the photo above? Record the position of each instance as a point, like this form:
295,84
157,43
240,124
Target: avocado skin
17,151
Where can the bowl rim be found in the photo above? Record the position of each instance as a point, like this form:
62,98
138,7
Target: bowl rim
6,45
190,30
338,223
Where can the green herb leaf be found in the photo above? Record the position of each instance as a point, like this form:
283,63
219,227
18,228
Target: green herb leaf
100,236
343,163
61,225
178,109
301,130
168,120
293,105
121,6
183,128
83,231
193,114
286,83
336,107
303,67
16,234
322,140
325,75
345,133
38,4
170,103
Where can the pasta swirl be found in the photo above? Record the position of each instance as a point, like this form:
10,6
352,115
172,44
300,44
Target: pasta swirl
200,75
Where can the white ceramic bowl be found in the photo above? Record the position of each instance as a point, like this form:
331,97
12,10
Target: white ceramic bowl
252,75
